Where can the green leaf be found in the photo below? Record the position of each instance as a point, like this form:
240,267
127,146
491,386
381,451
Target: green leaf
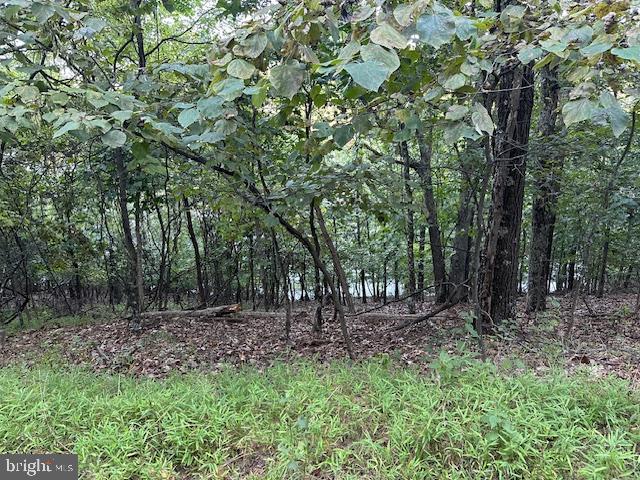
362,13
630,53
387,36
583,35
122,115
403,13
271,220
60,98
455,82
287,78
554,46
140,150
438,27
456,112
100,123
114,138
28,93
481,119
376,53
252,46
187,117
465,28
617,116
230,88
578,111
595,49
529,53
67,127
97,99
349,50
343,134
511,17
369,75
210,107
240,69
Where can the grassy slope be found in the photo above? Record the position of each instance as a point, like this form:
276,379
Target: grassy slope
371,420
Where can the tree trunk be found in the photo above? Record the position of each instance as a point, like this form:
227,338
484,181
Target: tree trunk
421,245
139,271
547,188
514,106
337,265
196,253
460,260
602,274
285,282
410,231
131,277
435,239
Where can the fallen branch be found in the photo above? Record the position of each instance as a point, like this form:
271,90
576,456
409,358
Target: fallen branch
203,314
427,316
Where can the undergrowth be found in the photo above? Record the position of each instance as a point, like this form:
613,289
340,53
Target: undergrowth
373,420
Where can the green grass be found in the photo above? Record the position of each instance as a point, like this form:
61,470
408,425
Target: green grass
372,420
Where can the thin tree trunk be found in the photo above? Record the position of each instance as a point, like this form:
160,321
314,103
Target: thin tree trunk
285,283
421,245
547,188
131,277
196,252
410,232
424,169
337,265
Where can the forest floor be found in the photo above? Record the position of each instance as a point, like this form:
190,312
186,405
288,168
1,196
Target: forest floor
605,339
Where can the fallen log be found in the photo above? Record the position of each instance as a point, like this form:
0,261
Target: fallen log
203,314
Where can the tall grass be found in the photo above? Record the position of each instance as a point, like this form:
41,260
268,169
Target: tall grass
372,420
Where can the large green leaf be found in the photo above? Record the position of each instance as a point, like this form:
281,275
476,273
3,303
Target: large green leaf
369,75
578,111
481,119
349,50
230,88
114,138
387,36
28,93
287,78
438,27
240,68
188,116
252,46
455,82
210,107
629,53
343,134
403,13
376,53
617,116
529,53
596,48
67,127
456,112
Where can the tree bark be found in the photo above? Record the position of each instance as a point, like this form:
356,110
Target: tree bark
131,277
514,107
202,295
410,230
547,188
435,238
460,260
337,265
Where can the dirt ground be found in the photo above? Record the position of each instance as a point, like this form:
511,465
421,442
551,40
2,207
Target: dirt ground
605,338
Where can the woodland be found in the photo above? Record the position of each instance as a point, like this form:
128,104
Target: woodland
321,239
